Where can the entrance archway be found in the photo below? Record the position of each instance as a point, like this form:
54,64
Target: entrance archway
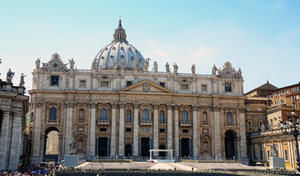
145,146
128,150
230,145
103,147
185,147
51,144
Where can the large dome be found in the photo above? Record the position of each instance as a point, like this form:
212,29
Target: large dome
118,54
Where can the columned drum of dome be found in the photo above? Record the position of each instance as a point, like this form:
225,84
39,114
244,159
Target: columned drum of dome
120,108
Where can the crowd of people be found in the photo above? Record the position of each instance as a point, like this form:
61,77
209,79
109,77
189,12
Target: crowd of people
43,169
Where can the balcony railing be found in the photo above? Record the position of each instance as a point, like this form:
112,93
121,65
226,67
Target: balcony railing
52,121
185,123
103,122
146,122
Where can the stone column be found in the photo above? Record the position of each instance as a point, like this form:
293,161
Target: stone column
243,142
92,130
15,142
216,133
36,157
4,140
68,130
195,132
176,131
113,130
155,129
169,128
136,131
60,139
121,130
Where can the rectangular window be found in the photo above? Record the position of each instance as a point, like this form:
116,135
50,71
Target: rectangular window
162,130
128,83
104,84
162,84
286,155
185,131
281,102
228,87
184,87
204,87
102,129
54,80
128,129
82,83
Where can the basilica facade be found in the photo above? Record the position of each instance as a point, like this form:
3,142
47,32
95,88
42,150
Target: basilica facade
119,108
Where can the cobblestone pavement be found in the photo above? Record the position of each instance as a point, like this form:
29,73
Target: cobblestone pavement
185,166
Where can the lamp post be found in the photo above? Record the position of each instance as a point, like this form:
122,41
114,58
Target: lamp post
291,127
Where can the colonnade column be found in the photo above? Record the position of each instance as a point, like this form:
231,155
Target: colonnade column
136,131
36,157
16,141
121,130
113,130
169,128
93,122
195,132
4,140
243,142
68,130
216,133
155,129
176,131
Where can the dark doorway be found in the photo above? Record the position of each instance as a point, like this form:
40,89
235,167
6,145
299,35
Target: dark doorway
1,118
103,144
162,154
128,150
145,146
185,147
51,144
230,145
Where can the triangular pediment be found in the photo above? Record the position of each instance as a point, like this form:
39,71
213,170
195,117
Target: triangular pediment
146,86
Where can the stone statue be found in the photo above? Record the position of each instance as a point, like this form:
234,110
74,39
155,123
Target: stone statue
72,146
155,67
37,63
273,150
193,68
175,70
167,67
9,76
146,65
214,70
72,62
22,81
94,64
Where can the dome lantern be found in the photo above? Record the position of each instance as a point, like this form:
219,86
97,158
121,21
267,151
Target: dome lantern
120,34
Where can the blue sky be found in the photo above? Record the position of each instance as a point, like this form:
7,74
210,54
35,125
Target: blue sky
262,37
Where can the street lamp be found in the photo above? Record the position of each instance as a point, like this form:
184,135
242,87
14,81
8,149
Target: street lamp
291,127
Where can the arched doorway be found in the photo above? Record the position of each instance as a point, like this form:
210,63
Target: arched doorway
145,146
185,147
230,145
51,144
128,150
103,147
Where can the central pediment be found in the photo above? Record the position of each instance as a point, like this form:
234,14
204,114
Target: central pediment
146,86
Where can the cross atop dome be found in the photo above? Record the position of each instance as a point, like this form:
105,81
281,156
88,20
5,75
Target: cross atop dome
120,34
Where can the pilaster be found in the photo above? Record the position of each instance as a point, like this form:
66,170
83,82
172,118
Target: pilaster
15,142
68,130
121,130
113,130
36,157
169,127
176,130
195,132
92,130
136,131
243,142
216,133
155,129
4,140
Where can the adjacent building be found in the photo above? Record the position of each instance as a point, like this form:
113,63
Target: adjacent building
121,108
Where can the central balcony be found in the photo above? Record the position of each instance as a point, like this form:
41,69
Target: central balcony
185,124
146,122
103,122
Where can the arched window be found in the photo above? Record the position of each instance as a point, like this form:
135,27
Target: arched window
162,117
184,116
145,115
229,118
81,115
128,116
103,114
205,119
52,114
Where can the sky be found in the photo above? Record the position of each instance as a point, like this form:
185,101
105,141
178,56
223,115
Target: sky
262,37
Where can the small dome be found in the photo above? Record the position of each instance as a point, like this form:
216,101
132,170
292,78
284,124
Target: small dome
119,49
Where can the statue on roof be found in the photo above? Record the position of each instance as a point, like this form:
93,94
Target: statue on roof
167,67
146,65
37,63
94,64
22,81
72,63
9,76
193,69
175,70
214,70
155,67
